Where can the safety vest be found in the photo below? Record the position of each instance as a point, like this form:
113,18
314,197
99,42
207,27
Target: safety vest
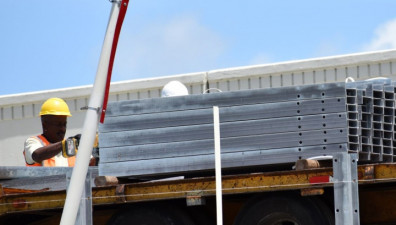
49,162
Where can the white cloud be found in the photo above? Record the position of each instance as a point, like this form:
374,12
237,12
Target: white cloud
181,45
385,37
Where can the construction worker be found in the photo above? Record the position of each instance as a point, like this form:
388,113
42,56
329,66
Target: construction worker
50,148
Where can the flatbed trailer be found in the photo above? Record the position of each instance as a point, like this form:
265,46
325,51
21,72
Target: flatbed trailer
302,155
338,191
194,198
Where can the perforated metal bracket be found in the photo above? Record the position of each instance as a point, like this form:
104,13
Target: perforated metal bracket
195,198
84,216
346,196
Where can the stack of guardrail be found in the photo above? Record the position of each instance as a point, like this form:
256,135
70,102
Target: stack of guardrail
162,136
371,119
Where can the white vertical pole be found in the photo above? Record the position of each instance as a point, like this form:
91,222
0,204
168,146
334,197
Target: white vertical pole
219,193
80,169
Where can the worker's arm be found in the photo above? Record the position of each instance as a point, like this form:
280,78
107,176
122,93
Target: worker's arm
36,152
33,144
47,152
50,151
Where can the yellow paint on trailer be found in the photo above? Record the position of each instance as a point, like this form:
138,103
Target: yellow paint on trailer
161,190
31,201
204,187
240,184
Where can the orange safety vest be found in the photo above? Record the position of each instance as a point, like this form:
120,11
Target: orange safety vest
49,162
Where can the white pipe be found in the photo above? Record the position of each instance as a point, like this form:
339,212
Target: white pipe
219,193
80,169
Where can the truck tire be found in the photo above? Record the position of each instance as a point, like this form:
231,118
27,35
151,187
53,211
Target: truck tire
151,215
200,216
284,210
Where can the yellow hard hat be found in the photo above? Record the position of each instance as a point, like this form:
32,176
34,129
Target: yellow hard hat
55,106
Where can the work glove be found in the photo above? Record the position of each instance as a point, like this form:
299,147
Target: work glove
70,146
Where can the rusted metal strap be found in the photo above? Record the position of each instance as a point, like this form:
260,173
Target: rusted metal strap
120,193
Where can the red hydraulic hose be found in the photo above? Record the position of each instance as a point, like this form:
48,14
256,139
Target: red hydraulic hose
120,20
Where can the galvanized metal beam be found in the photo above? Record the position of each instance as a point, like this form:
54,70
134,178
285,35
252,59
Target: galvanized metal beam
346,197
230,113
269,95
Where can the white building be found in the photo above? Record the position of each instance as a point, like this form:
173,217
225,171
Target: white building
19,113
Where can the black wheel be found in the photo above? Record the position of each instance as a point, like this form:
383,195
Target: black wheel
327,212
201,216
284,210
151,215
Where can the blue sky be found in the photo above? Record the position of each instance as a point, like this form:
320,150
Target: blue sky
56,44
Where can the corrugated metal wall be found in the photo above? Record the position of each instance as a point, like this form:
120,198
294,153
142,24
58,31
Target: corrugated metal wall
18,113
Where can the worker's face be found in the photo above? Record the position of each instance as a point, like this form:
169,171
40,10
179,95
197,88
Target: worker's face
54,127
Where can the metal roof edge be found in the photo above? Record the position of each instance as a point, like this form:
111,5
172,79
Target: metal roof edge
200,77
300,65
85,91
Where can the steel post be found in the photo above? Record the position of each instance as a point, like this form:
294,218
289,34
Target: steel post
346,197
84,215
